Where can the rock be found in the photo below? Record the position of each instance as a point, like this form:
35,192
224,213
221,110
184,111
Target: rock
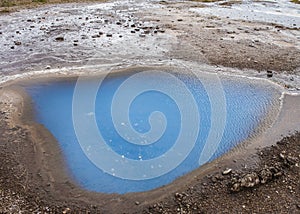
67,210
59,39
179,20
250,180
269,73
247,181
227,171
109,35
137,203
133,31
265,175
142,35
17,42
95,36
48,67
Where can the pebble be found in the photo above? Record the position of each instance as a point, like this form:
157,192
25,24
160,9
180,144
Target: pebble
59,39
227,171
17,42
270,74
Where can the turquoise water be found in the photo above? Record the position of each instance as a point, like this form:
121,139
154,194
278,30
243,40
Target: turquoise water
246,105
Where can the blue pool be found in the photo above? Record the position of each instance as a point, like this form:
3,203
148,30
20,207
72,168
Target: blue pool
139,118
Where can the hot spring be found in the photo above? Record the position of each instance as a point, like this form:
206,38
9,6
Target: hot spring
137,131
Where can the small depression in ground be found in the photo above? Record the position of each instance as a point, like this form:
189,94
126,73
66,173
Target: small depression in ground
140,117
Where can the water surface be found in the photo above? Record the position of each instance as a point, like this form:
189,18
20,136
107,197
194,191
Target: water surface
247,106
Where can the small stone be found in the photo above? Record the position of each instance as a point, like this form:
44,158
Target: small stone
137,203
17,42
67,210
109,35
59,39
227,171
179,20
269,73
48,67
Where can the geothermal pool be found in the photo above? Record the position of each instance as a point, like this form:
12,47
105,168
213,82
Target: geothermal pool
151,127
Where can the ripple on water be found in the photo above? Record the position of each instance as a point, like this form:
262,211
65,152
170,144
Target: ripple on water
248,104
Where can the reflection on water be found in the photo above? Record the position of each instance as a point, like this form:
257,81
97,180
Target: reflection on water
247,104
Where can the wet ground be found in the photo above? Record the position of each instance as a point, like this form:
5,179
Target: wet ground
216,37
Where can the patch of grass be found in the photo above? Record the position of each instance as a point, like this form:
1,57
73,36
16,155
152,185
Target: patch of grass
6,3
40,1
12,3
296,1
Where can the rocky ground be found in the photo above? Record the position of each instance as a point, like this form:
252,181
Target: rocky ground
146,33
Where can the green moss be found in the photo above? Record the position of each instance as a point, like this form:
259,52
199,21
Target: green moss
40,1
296,1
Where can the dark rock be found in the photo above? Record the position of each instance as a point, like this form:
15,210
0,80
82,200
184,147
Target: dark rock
17,42
179,20
109,35
269,73
95,36
59,39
